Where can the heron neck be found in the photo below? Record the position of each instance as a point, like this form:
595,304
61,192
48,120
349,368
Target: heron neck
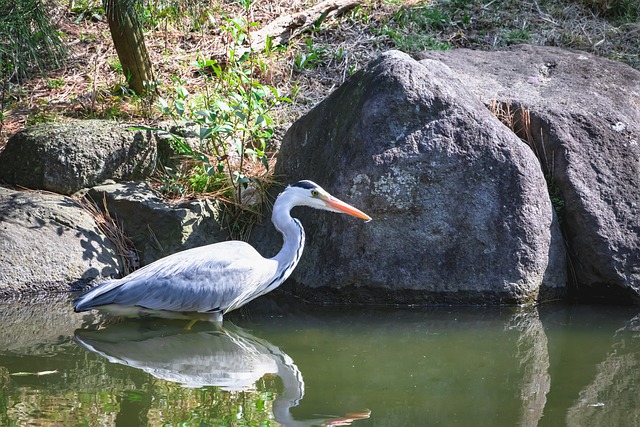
292,235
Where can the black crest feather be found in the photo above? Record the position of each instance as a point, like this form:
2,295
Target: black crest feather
307,185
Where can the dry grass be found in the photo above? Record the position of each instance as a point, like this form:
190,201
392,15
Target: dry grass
109,226
518,120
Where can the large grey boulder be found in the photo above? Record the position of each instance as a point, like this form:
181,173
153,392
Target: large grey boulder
49,244
460,207
156,228
66,157
585,128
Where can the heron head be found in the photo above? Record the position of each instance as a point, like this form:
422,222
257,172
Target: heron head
308,193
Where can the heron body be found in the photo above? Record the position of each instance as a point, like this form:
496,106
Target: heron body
208,281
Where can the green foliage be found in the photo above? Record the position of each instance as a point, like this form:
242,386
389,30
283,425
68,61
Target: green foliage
27,41
311,56
518,36
623,10
557,201
417,42
27,38
55,83
191,15
114,64
414,29
233,121
422,17
87,9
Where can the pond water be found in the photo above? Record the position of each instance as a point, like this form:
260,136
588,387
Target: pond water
300,365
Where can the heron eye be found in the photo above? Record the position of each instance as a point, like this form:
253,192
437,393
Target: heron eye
315,193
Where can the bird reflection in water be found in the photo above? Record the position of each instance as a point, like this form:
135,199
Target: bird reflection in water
230,358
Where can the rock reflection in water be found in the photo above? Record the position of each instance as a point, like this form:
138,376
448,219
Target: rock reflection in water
533,354
611,397
230,358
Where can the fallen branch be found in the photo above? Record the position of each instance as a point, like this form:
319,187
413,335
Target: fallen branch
286,27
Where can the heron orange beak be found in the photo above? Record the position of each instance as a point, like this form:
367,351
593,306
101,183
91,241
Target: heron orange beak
343,207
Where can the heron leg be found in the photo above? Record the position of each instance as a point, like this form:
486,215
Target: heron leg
190,324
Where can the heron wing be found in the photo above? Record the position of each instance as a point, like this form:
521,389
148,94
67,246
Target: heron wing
204,279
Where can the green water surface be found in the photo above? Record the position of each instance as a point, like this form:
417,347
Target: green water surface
274,365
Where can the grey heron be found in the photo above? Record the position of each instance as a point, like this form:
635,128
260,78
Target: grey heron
206,282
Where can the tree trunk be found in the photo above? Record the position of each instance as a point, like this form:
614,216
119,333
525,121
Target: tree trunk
129,43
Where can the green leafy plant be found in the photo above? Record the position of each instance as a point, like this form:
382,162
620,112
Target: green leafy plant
233,122
310,57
